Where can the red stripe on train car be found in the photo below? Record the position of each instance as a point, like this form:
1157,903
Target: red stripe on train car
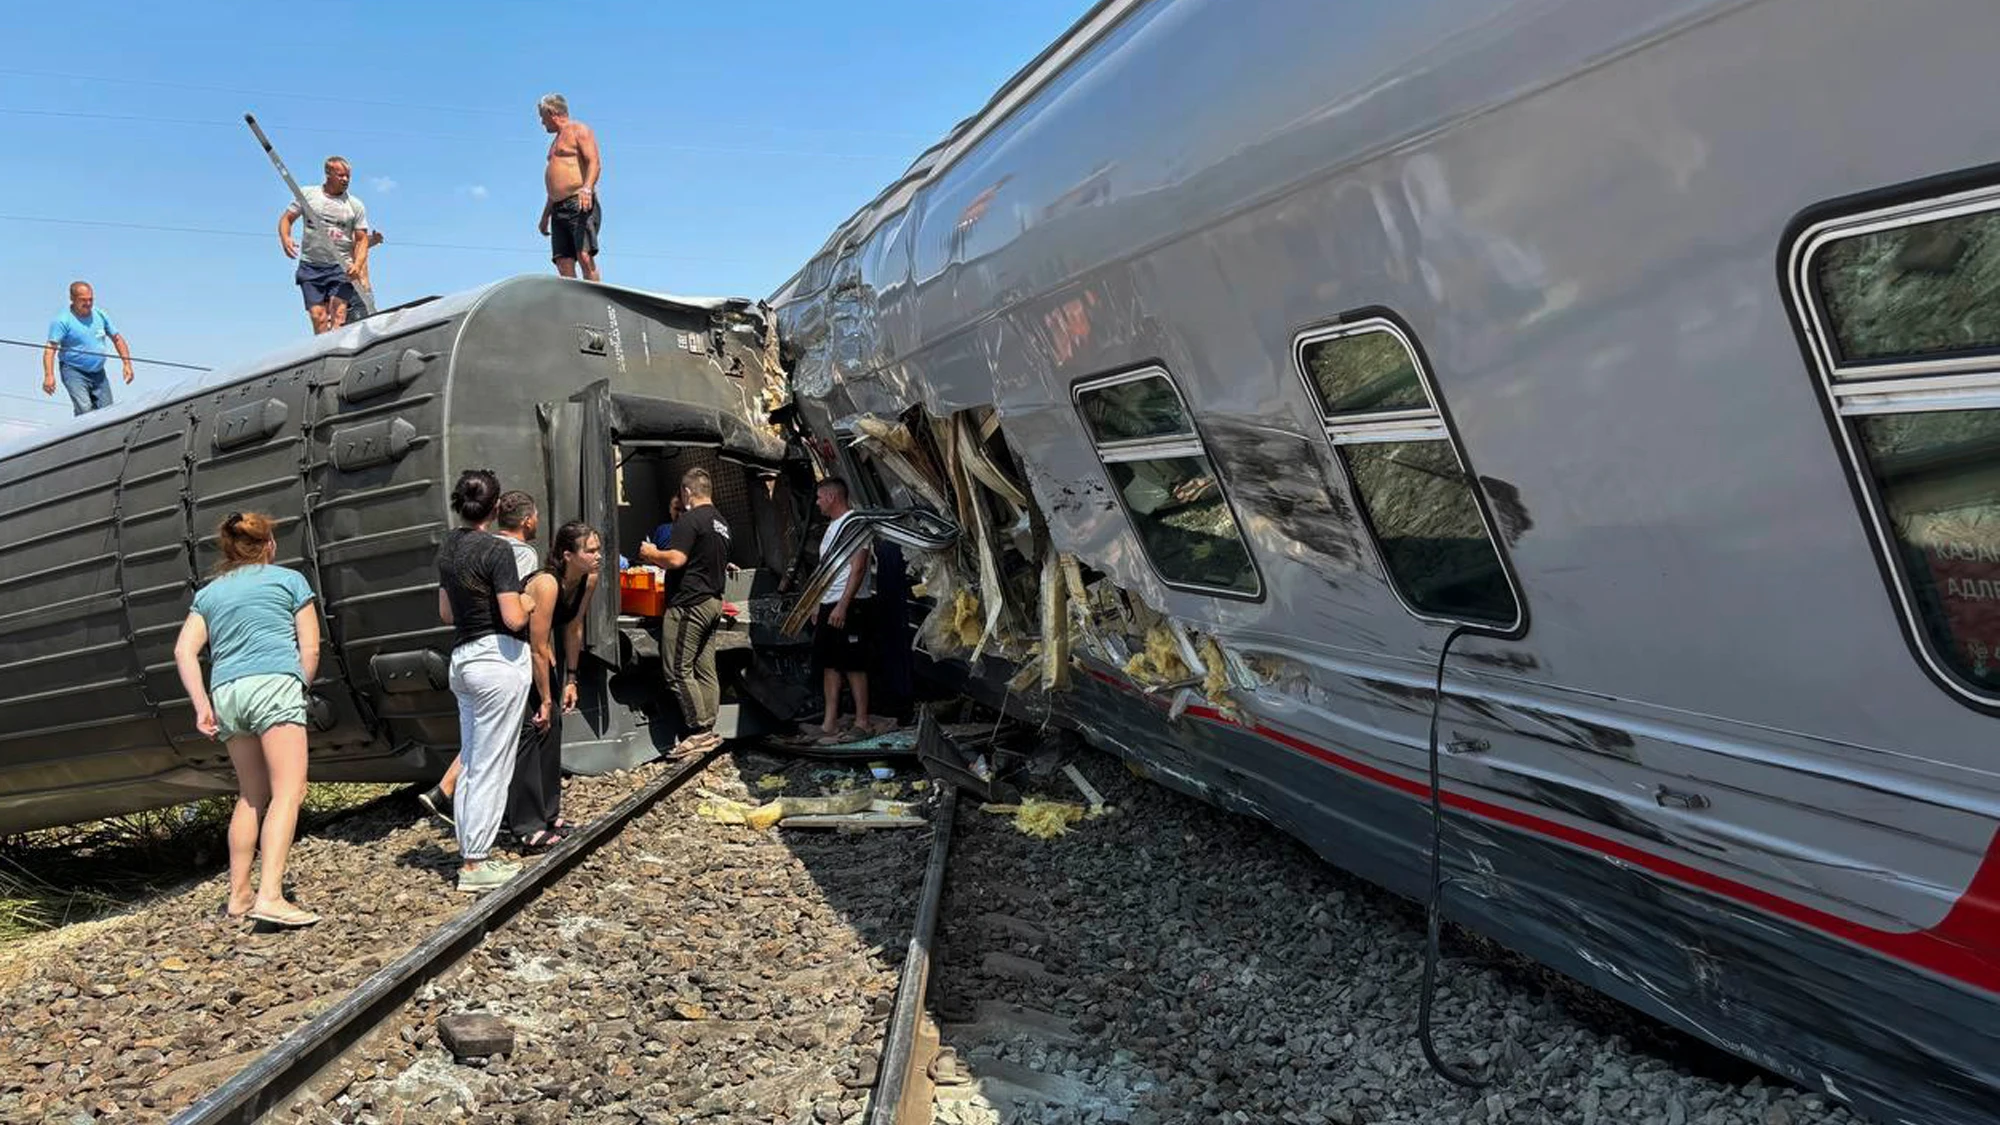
1964,946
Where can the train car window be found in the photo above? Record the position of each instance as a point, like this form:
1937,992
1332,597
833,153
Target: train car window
1146,439
1914,291
1902,314
1939,478
1137,408
1365,373
1434,534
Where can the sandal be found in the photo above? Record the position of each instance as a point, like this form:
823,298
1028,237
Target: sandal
290,917
541,840
437,803
695,744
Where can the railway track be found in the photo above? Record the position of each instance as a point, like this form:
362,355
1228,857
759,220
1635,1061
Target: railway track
333,1066
266,1083
1163,963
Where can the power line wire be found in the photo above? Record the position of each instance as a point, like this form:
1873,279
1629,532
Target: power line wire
26,398
219,232
109,355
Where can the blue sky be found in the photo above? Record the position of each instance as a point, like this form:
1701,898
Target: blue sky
734,136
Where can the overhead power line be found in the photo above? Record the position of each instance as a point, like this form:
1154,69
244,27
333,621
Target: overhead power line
109,355
24,398
398,242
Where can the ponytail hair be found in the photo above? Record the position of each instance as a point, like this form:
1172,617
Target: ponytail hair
243,537
569,539
475,495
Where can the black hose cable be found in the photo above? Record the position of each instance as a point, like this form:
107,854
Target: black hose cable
1434,907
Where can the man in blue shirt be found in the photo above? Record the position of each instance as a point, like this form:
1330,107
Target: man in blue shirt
664,534
83,336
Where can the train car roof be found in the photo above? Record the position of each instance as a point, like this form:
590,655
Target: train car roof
395,321
938,157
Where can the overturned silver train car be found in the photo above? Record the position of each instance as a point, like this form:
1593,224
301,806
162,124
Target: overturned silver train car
1648,348
591,397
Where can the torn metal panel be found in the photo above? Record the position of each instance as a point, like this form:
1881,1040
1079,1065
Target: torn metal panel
915,530
970,441
890,445
1055,624
966,488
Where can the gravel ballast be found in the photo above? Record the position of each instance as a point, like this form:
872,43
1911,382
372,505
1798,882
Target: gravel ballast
1204,967
1167,962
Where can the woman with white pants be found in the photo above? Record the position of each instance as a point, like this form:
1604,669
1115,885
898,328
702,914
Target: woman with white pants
480,596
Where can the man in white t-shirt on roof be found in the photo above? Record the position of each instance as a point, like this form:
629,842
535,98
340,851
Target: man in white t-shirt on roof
840,634
334,254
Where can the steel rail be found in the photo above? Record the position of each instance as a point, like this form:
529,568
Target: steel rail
899,1055
295,1060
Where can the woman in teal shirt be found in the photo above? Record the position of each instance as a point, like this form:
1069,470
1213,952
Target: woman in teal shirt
258,623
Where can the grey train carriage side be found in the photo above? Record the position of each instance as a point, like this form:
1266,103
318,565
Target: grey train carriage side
1656,339
591,397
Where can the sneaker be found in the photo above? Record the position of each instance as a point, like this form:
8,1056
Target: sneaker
488,876
437,804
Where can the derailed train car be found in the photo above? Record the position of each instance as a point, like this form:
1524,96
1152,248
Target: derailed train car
591,397
1629,368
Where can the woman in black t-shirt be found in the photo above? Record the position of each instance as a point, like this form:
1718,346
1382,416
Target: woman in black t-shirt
480,596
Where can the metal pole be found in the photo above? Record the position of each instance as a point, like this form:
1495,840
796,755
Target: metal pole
284,173
367,292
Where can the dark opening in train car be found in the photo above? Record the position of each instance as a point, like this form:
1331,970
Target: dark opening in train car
586,396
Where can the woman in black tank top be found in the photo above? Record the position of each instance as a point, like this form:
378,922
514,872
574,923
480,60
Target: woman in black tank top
560,591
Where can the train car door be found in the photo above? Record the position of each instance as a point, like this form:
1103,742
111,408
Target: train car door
579,482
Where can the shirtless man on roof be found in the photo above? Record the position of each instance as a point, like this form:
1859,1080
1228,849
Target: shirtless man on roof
573,213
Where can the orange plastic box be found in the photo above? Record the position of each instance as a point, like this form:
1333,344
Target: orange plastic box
641,594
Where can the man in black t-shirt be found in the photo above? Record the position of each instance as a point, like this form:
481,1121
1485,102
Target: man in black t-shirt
696,559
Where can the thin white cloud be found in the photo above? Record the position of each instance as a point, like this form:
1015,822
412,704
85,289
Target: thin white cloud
476,191
383,185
